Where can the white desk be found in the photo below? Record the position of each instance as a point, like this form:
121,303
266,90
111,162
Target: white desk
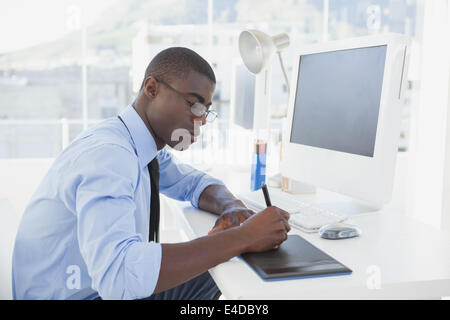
396,257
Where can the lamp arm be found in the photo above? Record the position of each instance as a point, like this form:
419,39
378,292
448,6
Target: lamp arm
284,72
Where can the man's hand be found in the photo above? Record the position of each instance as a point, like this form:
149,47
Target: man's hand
266,229
232,216
219,200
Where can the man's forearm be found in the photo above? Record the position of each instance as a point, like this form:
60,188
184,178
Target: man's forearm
183,261
217,198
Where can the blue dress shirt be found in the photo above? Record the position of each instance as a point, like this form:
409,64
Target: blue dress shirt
84,232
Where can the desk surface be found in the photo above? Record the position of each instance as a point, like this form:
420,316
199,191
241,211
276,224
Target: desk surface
396,257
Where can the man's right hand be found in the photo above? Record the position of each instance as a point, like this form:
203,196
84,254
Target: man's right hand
266,229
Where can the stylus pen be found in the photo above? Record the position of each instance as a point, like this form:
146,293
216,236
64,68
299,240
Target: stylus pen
266,195
268,203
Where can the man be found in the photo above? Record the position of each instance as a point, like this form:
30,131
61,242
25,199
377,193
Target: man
85,233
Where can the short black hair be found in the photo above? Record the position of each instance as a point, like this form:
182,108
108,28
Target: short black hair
177,62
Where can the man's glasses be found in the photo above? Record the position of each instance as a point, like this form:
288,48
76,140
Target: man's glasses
197,108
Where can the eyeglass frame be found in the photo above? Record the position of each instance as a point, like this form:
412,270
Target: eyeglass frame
197,108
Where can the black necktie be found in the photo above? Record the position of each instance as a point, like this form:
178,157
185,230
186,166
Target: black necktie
153,171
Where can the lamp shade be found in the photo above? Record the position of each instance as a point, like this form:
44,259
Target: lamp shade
256,48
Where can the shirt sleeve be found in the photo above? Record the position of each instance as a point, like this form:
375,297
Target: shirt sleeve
181,181
120,264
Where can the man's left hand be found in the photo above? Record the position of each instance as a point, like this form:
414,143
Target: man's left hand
231,217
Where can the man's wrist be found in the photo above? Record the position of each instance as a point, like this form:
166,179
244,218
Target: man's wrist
218,199
233,204
242,238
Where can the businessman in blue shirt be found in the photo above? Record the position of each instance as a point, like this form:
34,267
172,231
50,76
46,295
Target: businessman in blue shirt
85,233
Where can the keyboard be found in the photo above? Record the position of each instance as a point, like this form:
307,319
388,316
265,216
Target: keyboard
305,216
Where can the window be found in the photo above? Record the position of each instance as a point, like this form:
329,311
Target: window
92,66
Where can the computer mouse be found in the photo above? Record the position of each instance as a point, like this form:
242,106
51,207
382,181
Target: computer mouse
335,231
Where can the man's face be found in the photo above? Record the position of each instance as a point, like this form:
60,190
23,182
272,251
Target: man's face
172,118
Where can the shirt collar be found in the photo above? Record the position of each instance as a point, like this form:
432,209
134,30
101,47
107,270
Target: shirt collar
145,143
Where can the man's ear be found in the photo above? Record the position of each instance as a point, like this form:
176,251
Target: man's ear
151,87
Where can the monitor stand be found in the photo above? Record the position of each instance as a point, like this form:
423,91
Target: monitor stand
295,187
332,201
350,208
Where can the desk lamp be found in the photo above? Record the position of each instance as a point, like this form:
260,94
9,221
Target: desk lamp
257,49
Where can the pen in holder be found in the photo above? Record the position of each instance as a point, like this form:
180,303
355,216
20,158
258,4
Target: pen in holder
258,173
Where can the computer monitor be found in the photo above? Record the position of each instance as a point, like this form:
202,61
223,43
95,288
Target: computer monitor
242,96
242,114
344,116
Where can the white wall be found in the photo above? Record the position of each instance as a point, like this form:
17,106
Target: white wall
19,178
428,198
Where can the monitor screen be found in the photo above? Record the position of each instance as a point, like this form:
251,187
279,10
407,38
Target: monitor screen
337,99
